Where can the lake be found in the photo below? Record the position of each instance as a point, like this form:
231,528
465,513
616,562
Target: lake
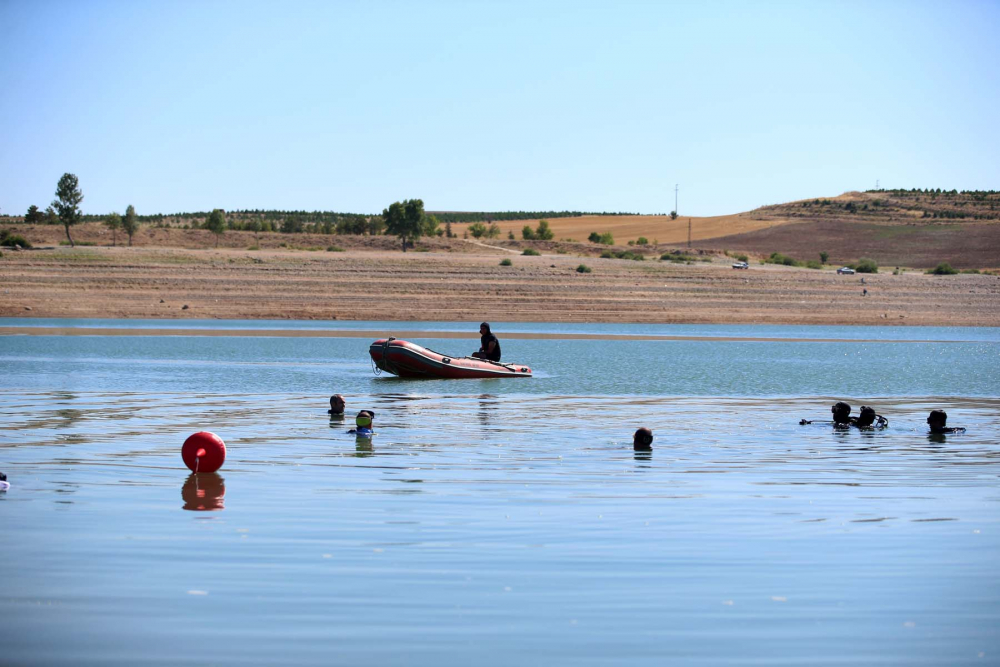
498,522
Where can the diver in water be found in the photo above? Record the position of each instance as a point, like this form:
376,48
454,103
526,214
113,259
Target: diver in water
4,484
642,441
841,415
937,420
870,421
337,405
842,418
365,424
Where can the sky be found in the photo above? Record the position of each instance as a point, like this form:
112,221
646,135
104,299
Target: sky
493,106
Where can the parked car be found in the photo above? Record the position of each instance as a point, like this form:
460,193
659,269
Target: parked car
741,265
846,271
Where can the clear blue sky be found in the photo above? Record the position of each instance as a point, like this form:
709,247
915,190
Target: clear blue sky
349,106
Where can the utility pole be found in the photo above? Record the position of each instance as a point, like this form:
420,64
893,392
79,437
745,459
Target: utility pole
689,232
676,187
876,184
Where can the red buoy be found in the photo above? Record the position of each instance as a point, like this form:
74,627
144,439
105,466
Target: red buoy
204,452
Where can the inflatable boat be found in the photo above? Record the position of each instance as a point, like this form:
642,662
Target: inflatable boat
409,360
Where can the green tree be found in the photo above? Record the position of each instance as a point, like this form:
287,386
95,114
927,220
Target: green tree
114,223
823,256
543,232
130,223
430,226
447,230
673,215
254,226
34,215
51,218
527,233
478,230
493,231
216,224
405,220
68,200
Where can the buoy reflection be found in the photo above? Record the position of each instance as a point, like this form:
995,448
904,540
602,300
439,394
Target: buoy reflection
204,492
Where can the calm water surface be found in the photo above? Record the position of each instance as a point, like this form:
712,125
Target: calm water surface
501,522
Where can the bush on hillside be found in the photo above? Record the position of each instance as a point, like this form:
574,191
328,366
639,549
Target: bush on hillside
531,252
943,269
866,265
583,268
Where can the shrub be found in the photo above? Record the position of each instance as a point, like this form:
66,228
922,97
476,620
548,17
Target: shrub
10,240
543,232
527,233
778,258
594,237
333,248
813,264
605,239
254,247
506,262
583,268
742,258
642,240
866,265
975,271
531,252
510,236
823,257
623,254
478,230
943,269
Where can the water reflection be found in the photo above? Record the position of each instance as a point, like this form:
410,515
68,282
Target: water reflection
363,446
204,492
487,408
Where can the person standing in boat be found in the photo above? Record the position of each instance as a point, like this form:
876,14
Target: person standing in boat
489,347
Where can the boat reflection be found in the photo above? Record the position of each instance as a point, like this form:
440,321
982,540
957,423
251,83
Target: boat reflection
204,492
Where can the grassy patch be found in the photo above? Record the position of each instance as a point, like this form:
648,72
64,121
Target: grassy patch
623,254
333,248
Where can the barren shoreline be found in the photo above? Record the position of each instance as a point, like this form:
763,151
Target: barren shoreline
449,335
371,285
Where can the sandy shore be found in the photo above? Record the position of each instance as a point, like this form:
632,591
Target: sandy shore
172,283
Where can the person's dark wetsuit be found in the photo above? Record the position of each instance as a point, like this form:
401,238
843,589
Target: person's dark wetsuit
485,341
937,421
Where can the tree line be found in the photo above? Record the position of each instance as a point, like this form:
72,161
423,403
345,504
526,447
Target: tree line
405,219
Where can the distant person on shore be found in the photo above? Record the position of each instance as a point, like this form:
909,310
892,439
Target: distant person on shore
642,441
489,347
938,419
365,424
337,405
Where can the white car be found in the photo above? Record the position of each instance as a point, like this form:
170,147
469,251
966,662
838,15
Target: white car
741,265
845,271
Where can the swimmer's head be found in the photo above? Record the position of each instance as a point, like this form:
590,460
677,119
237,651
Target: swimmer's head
937,419
3,477
642,441
364,419
337,404
841,412
867,416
